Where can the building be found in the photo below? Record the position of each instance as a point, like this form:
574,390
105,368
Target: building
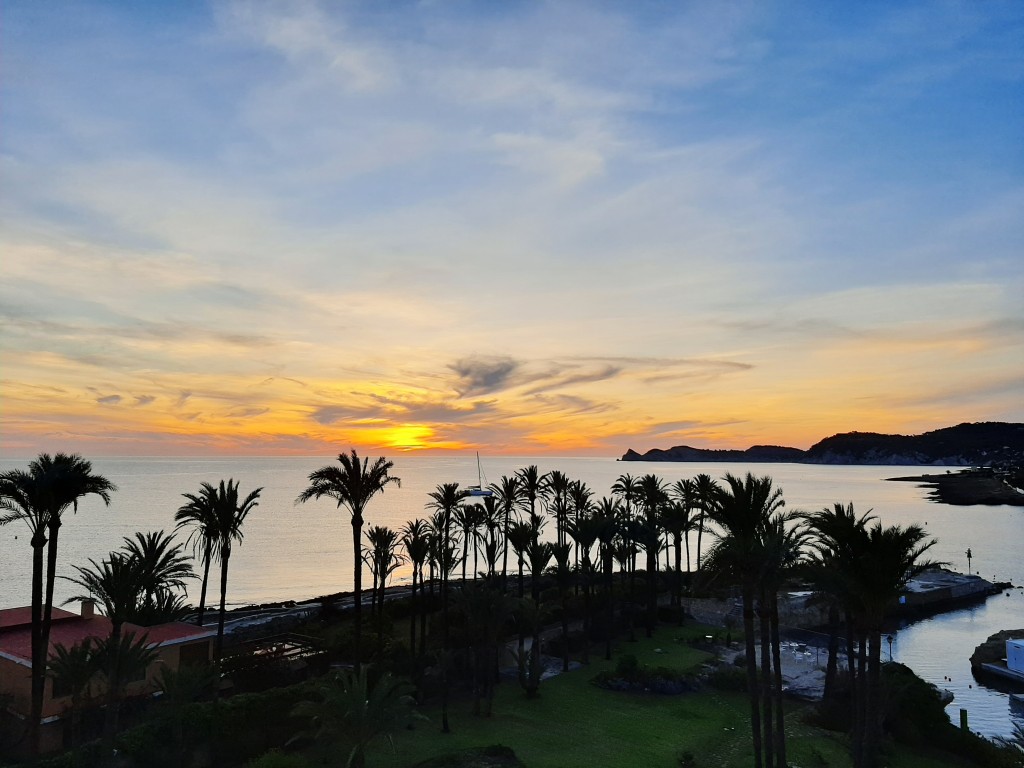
1015,656
177,644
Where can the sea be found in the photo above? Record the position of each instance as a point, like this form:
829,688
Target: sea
296,551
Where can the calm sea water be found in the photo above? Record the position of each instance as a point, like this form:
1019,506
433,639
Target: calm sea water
296,552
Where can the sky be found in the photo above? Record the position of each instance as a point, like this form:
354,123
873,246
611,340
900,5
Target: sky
525,228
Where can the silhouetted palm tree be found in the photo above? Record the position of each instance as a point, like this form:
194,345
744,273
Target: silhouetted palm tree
653,496
355,711
123,658
52,485
742,510
415,539
161,562
231,512
446,499
838,537
508,492
200,516
116,583
73,669
533,484
352,485
705,490
894,557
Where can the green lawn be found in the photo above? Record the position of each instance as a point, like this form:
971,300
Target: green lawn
575,724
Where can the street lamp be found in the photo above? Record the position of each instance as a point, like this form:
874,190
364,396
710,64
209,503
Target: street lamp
968,553
889,639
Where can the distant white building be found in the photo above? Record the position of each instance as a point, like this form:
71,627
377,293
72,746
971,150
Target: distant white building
1015,656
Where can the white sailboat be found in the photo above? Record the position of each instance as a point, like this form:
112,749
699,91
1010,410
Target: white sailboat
479,489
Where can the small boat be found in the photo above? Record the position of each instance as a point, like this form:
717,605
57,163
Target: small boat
479,489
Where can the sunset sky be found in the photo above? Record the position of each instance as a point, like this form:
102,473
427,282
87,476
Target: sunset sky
515,227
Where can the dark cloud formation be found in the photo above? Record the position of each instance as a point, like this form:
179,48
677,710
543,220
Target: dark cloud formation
144,399
482,375
183,398
109,400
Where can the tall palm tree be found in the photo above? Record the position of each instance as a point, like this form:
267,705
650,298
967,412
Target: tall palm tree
606,517
653,496
508,492
231,511
383,559
895,555
200,515
446,499
675,519
60,482
352,485
22,498
742,509
627,489
415,539
705,492
533,484
838,537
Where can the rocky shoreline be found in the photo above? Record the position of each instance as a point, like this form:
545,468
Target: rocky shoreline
966,488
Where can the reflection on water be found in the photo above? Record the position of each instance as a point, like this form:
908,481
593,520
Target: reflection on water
939,650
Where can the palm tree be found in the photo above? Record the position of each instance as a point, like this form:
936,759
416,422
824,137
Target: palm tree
351,708
415,539
585,531
742,510
383,559
52,485
533,484
21,498
519,537
653,496
352,485
231,512
606,516
73,669
200,515
509,493
705,490
446,499
162,564
123,658
675,519
117,583
838,536
894,557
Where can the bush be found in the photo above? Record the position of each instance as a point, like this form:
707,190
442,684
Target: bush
726,678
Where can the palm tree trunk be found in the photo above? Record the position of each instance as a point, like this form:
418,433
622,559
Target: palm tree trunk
678,596
767,724
700,533
872,713
609,608
412,614
225,557
780,717
504,555
357,588
424,606
832,666
111,718
38,649
752,688
207,557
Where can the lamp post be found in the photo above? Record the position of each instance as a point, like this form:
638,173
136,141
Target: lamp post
969,555
889,639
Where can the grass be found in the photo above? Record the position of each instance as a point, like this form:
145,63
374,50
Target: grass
575,724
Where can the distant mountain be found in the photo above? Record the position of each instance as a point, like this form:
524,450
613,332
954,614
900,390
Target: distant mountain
981,444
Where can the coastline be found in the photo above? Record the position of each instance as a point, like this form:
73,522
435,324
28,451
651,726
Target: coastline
966,488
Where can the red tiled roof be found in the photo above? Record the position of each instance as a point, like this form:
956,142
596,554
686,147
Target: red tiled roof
15,617
16,639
